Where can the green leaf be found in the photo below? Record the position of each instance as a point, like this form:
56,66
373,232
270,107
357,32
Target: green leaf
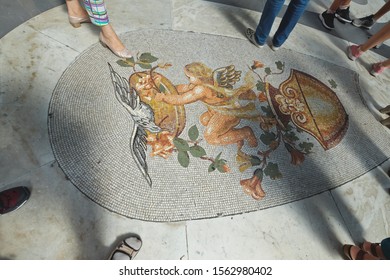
181,144
260,86
268,111
212,167
279,65
218,156
268,137
147,58
306,147
290,135
193,133
289,127
272,170
183,158
162,88
258,173
268,70
123,63
255,160
332,83
144,65
130,60
197,151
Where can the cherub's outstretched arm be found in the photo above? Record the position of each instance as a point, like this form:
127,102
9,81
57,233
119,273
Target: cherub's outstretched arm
190,96
182,88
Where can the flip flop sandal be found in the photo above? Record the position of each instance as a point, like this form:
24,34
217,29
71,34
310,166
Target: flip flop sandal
347,252
127,249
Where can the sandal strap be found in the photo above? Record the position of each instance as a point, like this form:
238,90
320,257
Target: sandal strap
128,250
360,255
373,247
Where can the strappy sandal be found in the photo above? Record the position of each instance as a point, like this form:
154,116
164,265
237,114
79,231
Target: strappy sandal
127,249
372,248
347,252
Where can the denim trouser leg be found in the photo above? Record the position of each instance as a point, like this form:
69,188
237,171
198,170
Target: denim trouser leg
290,19
270,11
385,244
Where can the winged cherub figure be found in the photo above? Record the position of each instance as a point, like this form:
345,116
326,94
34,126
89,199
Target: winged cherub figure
224,111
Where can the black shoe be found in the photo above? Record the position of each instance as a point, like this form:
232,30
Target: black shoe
327,20
365,22
343,15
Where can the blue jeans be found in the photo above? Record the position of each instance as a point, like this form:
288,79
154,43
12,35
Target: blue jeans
271,10
385,245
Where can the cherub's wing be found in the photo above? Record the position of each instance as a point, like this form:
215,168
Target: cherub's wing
138,151
125,95
130,100
226,77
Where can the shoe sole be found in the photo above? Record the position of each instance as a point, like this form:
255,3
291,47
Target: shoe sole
323,22
374,74
361,26
343,20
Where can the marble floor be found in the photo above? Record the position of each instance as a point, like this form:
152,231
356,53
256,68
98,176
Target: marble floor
59,222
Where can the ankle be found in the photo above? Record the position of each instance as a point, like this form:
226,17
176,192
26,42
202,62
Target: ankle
344,7
112,40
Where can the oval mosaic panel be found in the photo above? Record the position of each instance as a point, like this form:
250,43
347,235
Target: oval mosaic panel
200,126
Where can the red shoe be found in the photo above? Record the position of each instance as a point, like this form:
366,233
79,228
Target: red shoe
13,198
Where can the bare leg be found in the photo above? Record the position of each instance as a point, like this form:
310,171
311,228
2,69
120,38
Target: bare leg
382,11
377,38
75,9
337,4
386,63
108,35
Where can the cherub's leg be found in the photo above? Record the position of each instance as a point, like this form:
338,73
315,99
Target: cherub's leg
221,131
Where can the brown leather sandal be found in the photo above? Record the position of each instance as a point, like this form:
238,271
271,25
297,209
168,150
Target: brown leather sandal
385,110
127,249
370,248
347,252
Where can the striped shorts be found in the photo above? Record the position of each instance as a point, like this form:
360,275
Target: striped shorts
97,12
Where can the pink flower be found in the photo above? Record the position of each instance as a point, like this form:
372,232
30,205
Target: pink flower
162,144
252,186
257,64
297,157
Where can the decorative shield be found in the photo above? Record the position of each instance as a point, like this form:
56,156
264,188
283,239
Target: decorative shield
310,105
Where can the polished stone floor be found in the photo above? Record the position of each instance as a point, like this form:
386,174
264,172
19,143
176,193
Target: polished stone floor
59,222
